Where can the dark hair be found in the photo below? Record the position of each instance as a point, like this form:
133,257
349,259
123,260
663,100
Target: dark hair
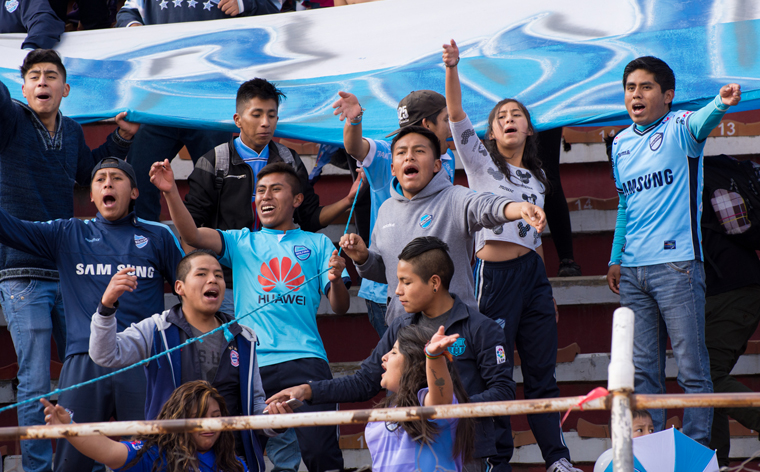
640,414
183,268
432,119
411,343
530,159
258,88
435,143
662,72
189,400
429,256
38,56
282,168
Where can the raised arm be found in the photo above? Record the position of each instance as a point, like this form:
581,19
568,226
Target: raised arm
703,121
440,386
347,106
453,88
104,450
162,176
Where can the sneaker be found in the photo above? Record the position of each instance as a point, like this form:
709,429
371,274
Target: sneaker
562,465
568,268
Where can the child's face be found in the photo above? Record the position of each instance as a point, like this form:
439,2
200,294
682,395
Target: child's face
414,163
414,293
642,426
393,364
205,440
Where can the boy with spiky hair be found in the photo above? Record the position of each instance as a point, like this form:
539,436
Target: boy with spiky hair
42,155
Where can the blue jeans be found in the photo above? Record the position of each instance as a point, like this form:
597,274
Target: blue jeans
669,300
376,314
284,452
33,309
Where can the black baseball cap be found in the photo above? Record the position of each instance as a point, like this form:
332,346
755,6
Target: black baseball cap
416,106
115,163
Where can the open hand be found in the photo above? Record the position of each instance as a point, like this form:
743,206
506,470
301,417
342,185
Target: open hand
55,414
127,129
451,54
162,176
121,282
731,94
440,342
301,392
347,106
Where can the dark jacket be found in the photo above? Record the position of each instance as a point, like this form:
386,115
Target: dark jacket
152,12
38,172
485,375
236,211
34,17
237,378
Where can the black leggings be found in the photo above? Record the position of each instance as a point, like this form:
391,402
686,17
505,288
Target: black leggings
555,205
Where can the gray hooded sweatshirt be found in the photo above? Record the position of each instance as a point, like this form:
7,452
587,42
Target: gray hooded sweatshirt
449,212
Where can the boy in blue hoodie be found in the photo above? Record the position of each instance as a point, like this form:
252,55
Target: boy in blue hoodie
87,254
225,359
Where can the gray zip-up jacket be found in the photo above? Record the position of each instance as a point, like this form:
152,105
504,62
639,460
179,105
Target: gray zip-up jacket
449,212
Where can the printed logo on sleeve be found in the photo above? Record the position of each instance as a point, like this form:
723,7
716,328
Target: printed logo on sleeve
500,356
234,358
671,244
426,221
301,252
140,241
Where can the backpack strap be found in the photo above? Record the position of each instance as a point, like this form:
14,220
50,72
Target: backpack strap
286,154
221,169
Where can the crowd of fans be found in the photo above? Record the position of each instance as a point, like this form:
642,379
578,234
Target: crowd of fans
247,233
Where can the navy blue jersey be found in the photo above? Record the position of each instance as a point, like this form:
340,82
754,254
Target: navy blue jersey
88,253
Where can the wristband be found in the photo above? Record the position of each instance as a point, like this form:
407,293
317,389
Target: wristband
357,120
430,356
455,64
105,311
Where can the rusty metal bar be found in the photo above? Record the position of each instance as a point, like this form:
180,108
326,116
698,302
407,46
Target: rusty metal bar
129,428
620,381
696,400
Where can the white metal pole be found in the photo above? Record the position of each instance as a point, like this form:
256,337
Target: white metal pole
620,384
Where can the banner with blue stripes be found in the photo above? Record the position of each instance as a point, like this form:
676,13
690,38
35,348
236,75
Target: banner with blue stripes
563,59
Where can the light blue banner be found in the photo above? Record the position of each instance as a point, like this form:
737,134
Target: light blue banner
564,60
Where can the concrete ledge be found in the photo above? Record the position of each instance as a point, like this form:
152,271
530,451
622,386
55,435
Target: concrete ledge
586,290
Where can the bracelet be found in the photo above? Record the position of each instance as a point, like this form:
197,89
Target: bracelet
455,64
357,120
430,356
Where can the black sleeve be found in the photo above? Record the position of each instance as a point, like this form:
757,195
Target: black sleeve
306,215
258,7
202,199
43,27
497,373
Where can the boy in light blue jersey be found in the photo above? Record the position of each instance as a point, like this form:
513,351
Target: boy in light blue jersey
656,264
267,263
420,108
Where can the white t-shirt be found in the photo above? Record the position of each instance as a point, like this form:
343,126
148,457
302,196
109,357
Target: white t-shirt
484,176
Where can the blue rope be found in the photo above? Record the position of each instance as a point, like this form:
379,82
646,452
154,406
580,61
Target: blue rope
223,327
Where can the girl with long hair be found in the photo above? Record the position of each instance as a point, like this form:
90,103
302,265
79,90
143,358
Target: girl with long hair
510,278
418,372
201,451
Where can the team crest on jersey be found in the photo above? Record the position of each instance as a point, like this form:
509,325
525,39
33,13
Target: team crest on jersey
280,270
11,5
140,241
234,358
500,356
301,252
426,221
457,349
655,141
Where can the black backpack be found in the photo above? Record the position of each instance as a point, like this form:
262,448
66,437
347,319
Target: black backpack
731,199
